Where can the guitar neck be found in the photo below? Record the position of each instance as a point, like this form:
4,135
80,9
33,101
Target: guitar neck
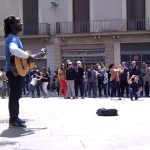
38,55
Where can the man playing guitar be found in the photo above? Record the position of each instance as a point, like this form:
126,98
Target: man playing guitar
13,46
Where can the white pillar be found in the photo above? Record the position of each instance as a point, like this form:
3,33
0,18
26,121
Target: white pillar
8,7
117,53
50,57
147,14
70,10
40,11
20,9
70,14
92,15
124,14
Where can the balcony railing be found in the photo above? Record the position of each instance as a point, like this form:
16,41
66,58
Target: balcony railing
37,29
102,26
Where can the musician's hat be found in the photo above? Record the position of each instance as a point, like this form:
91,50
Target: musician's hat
11,19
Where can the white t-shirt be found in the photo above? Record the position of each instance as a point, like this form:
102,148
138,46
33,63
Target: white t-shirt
33,82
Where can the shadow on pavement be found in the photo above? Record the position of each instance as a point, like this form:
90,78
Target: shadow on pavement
4,143
12,133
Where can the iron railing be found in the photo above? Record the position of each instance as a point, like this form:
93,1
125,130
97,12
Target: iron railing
41,28
102,26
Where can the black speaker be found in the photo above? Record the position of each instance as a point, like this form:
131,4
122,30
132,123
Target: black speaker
107,112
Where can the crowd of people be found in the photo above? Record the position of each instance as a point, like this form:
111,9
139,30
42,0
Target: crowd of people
35,79
117,81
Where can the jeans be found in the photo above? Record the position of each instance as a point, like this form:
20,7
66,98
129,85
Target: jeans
132,92
92,85
101,86
38,88
114,90
16,85
85,88
78,83
25,87
32,88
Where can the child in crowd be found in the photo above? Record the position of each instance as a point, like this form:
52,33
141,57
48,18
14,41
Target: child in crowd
135,87
32,84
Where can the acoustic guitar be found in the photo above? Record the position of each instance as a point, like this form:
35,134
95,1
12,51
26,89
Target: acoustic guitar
20,66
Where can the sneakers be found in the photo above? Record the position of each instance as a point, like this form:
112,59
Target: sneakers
16,124
67,97
27,93
21,121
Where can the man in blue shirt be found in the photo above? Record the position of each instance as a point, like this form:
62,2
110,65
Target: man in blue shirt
13,46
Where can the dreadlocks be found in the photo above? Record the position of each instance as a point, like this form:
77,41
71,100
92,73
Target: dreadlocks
7,30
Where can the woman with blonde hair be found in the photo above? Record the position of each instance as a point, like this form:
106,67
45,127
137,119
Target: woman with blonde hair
62,79
45,82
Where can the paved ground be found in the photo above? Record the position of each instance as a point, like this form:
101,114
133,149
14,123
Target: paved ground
59,124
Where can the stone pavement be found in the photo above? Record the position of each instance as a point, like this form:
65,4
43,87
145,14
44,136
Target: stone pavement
59,124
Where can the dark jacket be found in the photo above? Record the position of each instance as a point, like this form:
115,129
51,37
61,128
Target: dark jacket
70,74
135,71
79,73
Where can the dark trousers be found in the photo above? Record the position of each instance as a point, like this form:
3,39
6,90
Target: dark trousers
78,83
48,86
113,90
57,89
16,85
92,85
109,87
124,85
101,86
141,80
146,89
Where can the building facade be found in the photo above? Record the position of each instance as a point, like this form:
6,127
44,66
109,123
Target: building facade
89,30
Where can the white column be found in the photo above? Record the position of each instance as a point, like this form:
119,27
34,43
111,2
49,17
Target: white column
91,14
20,9
117,53
70,10
147,13
40,11
2,42
8,7
92,9
124,14
50,57
70,14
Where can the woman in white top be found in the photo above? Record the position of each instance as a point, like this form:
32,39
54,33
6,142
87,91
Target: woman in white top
32,85
2,82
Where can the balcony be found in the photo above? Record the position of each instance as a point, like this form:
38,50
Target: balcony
103,26
37,30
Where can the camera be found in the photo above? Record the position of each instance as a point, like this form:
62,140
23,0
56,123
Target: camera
55,3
